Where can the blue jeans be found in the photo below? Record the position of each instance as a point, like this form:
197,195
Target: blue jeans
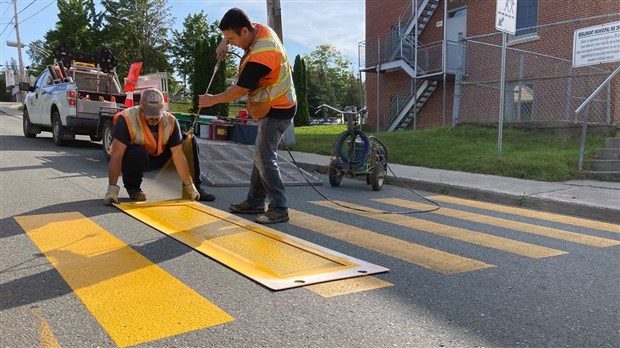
266,181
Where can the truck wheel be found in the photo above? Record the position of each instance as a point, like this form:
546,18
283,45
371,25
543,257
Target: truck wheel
27,126
107,138
57,130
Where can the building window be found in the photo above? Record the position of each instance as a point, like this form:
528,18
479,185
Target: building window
462,12
519,102
527,18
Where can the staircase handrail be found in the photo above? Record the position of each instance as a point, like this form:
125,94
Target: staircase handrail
585,118
407,98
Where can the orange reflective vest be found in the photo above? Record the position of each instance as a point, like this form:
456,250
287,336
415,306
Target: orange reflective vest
276,89
140,133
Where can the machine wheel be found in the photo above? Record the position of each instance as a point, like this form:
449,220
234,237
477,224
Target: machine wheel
335,173
27,126
107,138
57,130
377,176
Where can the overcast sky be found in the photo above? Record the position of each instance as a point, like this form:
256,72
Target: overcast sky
305,23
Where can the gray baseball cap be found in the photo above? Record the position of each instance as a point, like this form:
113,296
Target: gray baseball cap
152,102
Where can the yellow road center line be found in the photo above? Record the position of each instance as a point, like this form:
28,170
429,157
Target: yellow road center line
505,223
46,336
569,220
416,254
348,286
473,237
133,299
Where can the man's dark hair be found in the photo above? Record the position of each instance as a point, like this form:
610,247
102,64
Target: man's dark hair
235,19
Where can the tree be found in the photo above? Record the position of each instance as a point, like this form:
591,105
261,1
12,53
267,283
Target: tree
137,30
201,76
78,25
37,58
196,28
331,79
302,118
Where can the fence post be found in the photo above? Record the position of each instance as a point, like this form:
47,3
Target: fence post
460,57
502,81
569,93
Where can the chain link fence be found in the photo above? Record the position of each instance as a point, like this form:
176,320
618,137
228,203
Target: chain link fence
542,88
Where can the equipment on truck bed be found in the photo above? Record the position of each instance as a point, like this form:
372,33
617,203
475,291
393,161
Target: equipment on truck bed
102,56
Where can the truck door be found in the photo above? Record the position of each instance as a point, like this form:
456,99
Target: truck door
35,109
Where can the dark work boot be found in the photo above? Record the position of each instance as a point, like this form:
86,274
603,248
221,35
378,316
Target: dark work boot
272,217
204,196
246,208
136,194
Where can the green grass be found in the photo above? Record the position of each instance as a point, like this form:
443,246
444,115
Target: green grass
534,155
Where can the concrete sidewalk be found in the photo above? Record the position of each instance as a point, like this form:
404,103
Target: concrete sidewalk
585,198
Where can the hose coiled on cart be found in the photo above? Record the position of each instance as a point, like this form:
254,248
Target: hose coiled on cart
357,157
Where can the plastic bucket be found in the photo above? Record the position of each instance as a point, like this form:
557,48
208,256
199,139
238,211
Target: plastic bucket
248,133
221,132
203,131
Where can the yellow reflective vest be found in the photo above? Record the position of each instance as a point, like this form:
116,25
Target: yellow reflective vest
276,89
140,133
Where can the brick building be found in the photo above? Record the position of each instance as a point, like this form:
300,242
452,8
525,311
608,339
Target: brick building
423,76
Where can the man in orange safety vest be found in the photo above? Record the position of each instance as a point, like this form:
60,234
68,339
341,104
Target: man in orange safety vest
265,77
145,137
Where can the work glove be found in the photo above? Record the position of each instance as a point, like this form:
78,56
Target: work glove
112,195
190,192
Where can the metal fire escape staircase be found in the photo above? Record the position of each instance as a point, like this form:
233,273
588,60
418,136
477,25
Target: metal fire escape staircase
404,112
400,54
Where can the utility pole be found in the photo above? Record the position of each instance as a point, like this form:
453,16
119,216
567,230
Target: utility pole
274,17
274,20
22,71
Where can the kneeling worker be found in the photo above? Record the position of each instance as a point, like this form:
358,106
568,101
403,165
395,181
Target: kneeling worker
145,137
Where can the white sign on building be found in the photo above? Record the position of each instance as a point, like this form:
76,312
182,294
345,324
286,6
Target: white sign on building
596,45
506,16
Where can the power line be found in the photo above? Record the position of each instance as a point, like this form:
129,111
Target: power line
36,13
7,8
7,25
24,9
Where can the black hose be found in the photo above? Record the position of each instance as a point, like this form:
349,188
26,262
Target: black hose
352,157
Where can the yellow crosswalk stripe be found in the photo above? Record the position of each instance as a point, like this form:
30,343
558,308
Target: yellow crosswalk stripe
473,237
416,254
134,300
505,223
564,219
348,286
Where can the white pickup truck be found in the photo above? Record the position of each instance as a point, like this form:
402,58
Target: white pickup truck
67,102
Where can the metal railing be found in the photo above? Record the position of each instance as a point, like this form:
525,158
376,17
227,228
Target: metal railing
585,106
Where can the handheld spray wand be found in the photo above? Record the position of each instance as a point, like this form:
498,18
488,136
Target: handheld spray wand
215,69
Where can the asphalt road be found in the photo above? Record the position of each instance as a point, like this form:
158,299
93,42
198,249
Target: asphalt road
556,287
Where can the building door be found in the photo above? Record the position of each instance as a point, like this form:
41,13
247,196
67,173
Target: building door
457,23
